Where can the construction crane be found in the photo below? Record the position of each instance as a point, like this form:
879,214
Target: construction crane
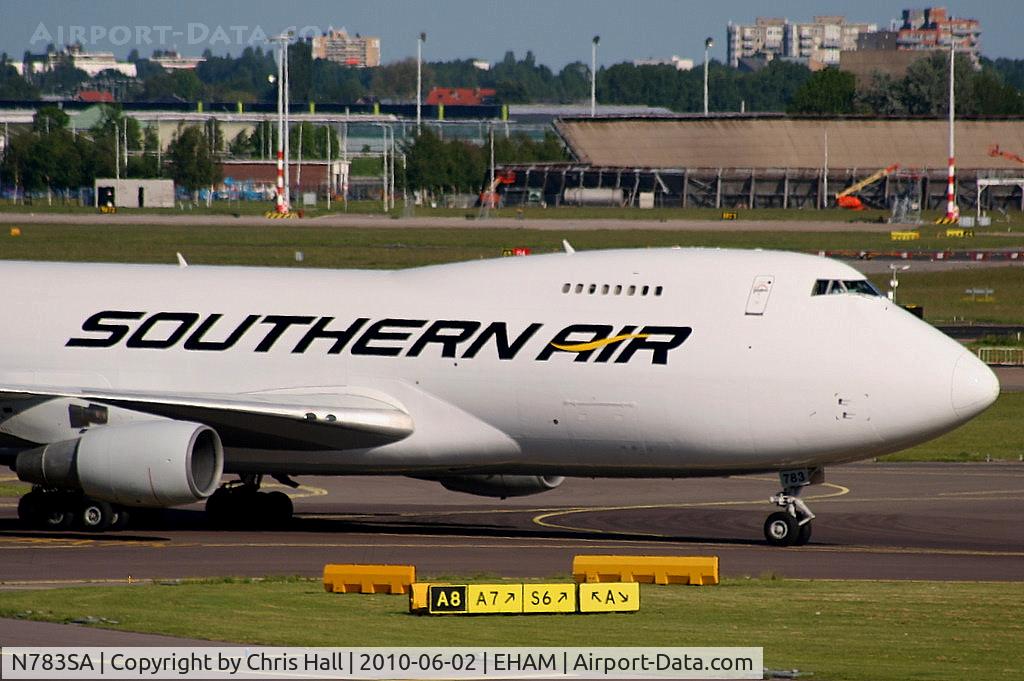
489,197
995,151
845,198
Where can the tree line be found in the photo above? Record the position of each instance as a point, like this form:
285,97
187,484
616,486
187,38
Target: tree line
781,86
443,166
51,157
924,91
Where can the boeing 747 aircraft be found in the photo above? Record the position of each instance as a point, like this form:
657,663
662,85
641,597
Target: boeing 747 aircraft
128,386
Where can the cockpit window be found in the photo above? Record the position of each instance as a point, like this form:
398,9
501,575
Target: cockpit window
824,287
862,286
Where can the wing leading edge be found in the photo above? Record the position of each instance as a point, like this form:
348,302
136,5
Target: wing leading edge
277,421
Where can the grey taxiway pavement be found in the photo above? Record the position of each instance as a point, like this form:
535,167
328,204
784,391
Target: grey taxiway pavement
875,521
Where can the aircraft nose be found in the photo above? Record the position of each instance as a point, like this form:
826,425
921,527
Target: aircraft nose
974,386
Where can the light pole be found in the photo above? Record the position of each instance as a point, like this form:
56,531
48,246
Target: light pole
593,75
287,126
419,78
708,44
387,182
894,281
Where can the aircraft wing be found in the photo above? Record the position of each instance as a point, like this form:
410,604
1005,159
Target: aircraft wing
296,421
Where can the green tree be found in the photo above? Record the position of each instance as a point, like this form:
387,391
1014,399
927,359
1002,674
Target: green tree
1010,70
881,96
167,86
333,82
108,136
521,149
13,86
16,155
191,159
442,166
829,91
313,142
45,157
300,71
574,82
63,80
49,118
228,79
397,80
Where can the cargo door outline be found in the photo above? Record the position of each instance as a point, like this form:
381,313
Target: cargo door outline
613,423
760,291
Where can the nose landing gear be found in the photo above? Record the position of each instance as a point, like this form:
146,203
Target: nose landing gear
792,525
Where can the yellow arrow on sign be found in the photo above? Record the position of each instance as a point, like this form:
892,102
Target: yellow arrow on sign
610,597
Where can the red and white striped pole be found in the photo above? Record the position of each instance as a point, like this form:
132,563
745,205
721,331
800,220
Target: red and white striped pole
281,208
281,205
952,212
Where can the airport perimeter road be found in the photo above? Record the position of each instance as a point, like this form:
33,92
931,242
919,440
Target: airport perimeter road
384,222
875,521
1011,379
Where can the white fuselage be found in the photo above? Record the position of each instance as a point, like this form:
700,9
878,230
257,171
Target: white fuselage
768,376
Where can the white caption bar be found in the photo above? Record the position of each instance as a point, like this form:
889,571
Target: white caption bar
380,663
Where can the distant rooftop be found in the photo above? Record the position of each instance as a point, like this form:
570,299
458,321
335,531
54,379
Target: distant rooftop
549,112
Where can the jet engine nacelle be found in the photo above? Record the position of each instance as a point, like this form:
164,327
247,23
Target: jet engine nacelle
502,485
152,463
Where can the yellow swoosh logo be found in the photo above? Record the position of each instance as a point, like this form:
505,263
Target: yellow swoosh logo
594,345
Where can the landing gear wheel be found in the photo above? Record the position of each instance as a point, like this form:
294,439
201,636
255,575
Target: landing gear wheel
219,507
120,519
782,529
240,504
791,526
95,515
277,508
56,513
804,535
29,510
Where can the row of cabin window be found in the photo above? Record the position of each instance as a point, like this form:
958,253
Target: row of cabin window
617,290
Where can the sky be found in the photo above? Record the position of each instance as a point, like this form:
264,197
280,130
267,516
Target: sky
557,31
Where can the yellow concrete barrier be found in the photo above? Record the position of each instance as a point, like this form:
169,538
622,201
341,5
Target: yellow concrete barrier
368,579
611,597
418,597
696,570
904,236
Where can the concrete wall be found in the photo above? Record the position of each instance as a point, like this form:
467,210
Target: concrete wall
155,193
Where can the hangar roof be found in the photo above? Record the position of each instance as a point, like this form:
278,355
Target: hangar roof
781,142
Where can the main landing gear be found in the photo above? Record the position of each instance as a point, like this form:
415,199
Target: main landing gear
241,504
792,525
57,509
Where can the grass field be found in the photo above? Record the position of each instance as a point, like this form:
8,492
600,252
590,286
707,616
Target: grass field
361,247
838,630
943,298
1012,221
995,434
12,487
275,244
